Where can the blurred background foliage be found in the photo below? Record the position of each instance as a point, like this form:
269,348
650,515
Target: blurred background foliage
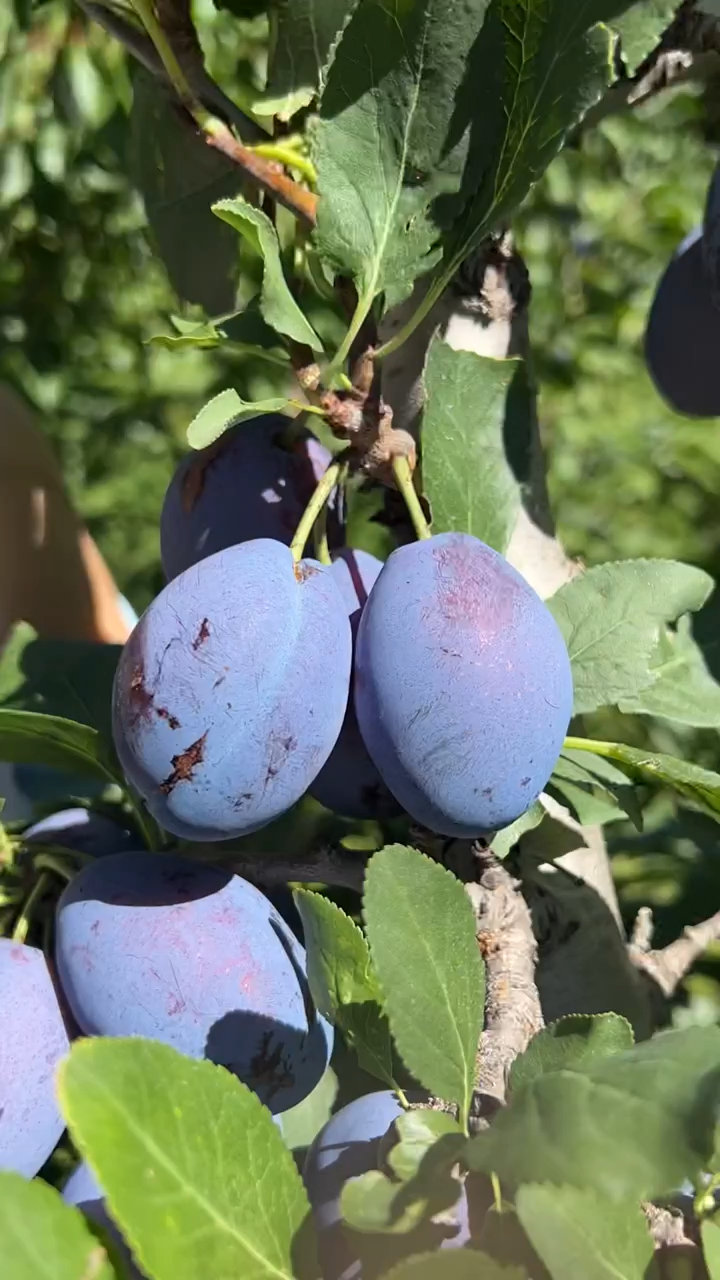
82,292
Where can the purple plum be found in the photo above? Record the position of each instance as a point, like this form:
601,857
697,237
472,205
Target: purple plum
349,783
683,333
83,831
231,691
247,484
32,1042
159,946
463,688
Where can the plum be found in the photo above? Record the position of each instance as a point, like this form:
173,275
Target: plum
33,1040
83,831
231,691
245,485
463,688
682,337
160,946
349,783
348,1146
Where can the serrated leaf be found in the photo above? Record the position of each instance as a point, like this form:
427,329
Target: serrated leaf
421,930
384,136
461,1264
302,1123
700,786
504,841
610,618
224,410
568,1043
306,36
595,800
28,737
580,1233
343,983
45,1239
640,29
374,1203
633,1125
277,305
710,1233
466,474
683,689
418,1131
194,1170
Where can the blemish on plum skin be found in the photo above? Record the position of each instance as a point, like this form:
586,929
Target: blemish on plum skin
164,714
185,764
141,699
303,571
202,635
524,782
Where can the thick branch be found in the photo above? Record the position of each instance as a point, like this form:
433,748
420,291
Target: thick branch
667,967
512,1004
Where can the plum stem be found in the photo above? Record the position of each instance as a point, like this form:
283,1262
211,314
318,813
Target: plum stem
24,920
404,481
322,492
322,550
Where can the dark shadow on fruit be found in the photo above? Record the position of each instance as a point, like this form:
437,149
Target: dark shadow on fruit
282,899
301,976
157,880
304,1251
682,338
279,1063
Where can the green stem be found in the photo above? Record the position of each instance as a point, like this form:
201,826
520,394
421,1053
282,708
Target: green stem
341,355
287,156
313,509
24,920
427,304
404,481
49,861
176,75
402,1097
322,550
307,408
608,750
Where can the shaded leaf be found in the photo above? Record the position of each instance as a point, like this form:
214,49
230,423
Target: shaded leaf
45,1239
466,474
593,799
568,1043
580,1233
710,1232
682,689
343,983
68,678
504,841
302,1123
185,1145
307,33
461,1264
224,410
28,737
375,1203
610,618
421,930
418,1130
277,305
633,1125
11,659
700,786
640,28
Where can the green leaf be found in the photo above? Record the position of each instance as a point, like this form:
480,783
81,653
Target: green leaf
418,1130
580,1233
179,176
307,33
710,1232
461,1264
194,1170
27,737
302,1123
11,659
45,1239
466,474
700,786
383,136
568,1043
504,841
640,28
277,305
371,1203
199,333
224,410
683,689
593,799
68,678
343,983
633,1125
421,930
611,617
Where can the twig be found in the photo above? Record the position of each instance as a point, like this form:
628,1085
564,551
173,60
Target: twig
265,173
512,1005
342,868
668,966
642,934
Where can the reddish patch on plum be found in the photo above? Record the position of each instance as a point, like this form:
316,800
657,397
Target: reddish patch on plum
184,765
303,571
202,635
470,591
19,955
140,698
164,714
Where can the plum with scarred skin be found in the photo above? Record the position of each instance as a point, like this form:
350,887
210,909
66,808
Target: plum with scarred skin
157,945
231,691
248,484
463,688
352,1143
349,783
33,1040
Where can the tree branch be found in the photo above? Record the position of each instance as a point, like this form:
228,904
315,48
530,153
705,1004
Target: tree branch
338,867
668,966
512,1004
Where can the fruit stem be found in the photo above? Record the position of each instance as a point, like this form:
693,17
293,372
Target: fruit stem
404,480
322,550
609,750
314,507
287,156
24,920
49,861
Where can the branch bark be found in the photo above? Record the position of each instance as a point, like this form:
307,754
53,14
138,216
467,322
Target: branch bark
333,866
667,967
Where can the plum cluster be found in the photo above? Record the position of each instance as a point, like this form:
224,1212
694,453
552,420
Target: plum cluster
437,683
